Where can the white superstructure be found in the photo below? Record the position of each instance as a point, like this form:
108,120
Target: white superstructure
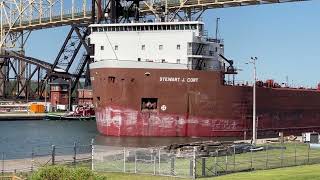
183,43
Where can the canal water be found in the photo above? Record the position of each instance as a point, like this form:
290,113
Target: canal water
18,139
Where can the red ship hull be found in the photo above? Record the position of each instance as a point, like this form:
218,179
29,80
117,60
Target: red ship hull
195,103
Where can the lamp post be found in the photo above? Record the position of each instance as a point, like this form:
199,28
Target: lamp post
254,128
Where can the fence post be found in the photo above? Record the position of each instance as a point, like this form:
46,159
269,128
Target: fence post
203,162
159,161
172,165
53,154
308,152
135,161
2,169
74,153
234,158
267,156
295,153
194,163
251,164
124,159
154,155
215,163
32,160
226,161
92,154
282,156
154,158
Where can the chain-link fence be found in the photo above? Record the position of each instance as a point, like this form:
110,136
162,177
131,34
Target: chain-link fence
155,161
74,155
235,158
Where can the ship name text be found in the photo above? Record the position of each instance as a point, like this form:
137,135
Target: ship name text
179,79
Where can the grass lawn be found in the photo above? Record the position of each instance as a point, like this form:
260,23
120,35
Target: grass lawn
122,176
293,173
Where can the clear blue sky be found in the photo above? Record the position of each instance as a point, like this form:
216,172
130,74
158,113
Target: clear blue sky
285,38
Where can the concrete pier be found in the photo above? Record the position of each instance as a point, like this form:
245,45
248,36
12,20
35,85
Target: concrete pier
21,116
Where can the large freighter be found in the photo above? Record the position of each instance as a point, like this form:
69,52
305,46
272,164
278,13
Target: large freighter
170,79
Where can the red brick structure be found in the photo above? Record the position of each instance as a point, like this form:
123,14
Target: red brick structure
85,97
59,92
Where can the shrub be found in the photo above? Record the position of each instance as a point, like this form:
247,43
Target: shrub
64,173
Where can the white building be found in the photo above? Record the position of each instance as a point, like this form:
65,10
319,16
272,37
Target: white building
184,43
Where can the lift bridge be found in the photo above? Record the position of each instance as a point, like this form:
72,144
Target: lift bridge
22,76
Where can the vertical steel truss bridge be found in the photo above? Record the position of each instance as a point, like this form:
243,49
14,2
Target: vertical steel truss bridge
18,18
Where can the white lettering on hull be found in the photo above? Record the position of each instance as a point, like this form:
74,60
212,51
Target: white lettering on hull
179,79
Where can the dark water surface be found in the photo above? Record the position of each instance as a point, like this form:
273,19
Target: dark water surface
18,139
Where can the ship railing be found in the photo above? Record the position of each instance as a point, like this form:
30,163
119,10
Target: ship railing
230,82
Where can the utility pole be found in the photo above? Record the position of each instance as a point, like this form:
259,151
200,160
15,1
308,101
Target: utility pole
254,128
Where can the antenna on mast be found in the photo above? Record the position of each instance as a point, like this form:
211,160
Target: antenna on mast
217,28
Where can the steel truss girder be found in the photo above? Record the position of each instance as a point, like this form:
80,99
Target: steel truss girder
19,84
173,7
67,57
21,15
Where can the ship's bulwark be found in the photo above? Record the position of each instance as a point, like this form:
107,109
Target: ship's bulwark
196,103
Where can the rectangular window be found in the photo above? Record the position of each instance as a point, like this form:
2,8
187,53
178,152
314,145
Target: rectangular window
160,47
178,47
92,49
116,47
178,61
163,60
143,47
101,48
